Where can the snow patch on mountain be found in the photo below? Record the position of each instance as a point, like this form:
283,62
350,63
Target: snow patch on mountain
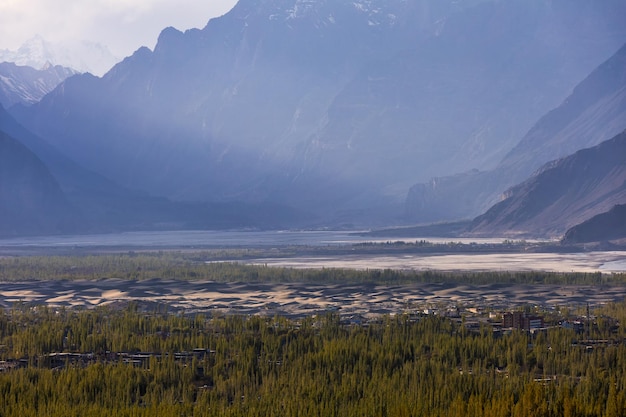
322,12
26,85
82,56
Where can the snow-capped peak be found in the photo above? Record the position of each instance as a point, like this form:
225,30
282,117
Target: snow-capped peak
82,56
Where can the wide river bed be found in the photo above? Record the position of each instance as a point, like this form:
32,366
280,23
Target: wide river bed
210,238
604,261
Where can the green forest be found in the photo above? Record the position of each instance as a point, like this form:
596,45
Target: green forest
225,365
123,360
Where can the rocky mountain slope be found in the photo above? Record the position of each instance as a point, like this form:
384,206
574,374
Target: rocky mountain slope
595,111
562,194
600,228
330,106
26,85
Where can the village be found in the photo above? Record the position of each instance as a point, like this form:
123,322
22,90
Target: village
530,320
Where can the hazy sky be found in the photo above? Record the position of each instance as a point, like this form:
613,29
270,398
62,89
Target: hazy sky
122,25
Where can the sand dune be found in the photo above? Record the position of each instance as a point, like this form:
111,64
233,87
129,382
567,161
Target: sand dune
296,299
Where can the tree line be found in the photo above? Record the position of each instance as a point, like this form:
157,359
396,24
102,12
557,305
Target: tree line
196,266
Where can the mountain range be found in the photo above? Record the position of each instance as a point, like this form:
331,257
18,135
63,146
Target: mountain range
326,113
562,194
81,56
595,111
44,192
26,85
334,107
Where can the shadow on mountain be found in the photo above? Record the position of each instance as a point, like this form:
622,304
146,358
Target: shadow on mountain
600,228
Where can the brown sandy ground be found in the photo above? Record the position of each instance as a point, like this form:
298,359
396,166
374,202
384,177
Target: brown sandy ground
294,299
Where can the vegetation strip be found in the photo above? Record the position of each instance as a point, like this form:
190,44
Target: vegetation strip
208,266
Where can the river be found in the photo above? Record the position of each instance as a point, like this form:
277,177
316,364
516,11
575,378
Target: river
601,261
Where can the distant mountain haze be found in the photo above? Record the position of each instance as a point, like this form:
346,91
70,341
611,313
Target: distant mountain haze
31,201
42,191
80,56
595,111
331,107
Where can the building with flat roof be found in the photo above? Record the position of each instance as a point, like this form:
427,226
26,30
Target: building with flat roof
522,321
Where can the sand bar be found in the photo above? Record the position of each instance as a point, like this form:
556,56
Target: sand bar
589,262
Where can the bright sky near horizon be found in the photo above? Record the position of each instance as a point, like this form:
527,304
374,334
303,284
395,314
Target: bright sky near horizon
122,25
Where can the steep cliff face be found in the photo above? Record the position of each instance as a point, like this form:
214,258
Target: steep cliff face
595,111
330,106
562,194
